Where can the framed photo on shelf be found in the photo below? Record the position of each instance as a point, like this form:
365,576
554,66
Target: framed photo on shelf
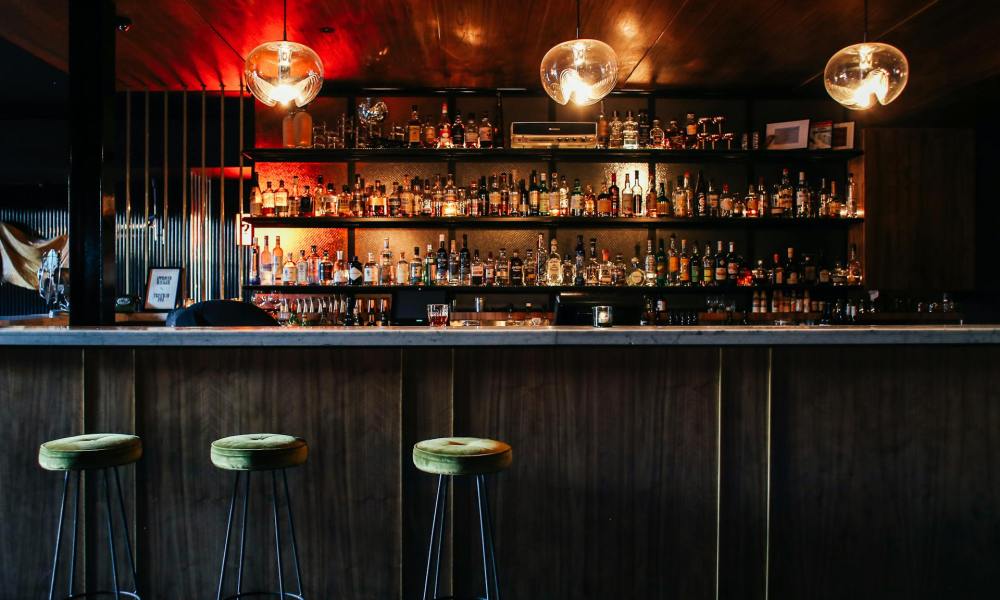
789,135
163,288
820,135
842,137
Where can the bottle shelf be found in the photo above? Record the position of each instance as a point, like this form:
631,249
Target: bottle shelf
538,289
321,155
537,222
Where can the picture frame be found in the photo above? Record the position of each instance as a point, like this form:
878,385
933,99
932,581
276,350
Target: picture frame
842,136
164,289
787,135
821,135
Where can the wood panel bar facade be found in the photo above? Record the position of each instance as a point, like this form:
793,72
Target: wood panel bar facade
738,472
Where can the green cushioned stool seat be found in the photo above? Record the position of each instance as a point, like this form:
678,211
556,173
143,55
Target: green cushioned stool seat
461,456
89,451
259,452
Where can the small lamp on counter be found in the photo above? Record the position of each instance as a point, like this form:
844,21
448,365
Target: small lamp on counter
603,316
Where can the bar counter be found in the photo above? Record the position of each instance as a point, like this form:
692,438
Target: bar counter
700,462
498,336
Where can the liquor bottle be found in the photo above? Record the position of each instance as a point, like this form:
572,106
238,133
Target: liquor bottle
785,204
791,268
402,270
615,131
502,268
476,274
568,270
664,207
441,264
325,274
406,207
593,266
701,197
734,264
576,199
638,198
294,199
777,270
281,200
371,270
489,270
851,206
708,267
662,273
721,266
579,268
809,275
605,272
635,276
540,260
713,200
341,270
763,199
674,139
396,200
312,263
602,129
751,203
444,128
589,202
255,263
564,197
414,129
471,132
727,204
673,262
619,272
690,132
464,262
302,269
543,195
615,197
553,265
604,201
306,203
534,194
386,266
430,266
686,196
643,126
267,201
416,268
458,132
516,270
630,132
803,197
277,260
656,134
627,204
854,273
833,202
554,197
530,274
684,275
649,265
498,123
695,265
485,132
256,199
289,271
430,134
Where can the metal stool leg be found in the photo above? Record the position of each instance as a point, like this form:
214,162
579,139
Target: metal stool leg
482,535
229,528
485,501
277,534
128,538
291,528
76,529
243,535
438,515
440,536
111,534
55,554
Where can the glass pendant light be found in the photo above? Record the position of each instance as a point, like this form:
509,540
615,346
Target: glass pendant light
581,70
283,72
861,75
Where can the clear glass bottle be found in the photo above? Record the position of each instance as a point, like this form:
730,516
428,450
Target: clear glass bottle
266,265
553,265
386,266
616,129
656,134
568,270
371,270
302,269
402,270
416,268
313,262
605,273
649,265
289,271
593,271
630,132
281,200
502,268
854,273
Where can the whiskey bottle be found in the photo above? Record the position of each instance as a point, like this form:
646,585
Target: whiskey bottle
476,274
416,268
638,209
649,265
489,270
734,265
803,197
854,273
454,266
402,270
430,134
414,129
708,267
568,270
791,268
267,201
385,266
662,272
444,128
371,270
516,270
721,266
713,200
630,132
593,266
543,195
727,204
485,132
614,197
302,269
553,266
256,199
254,278
656,134
325,274
441,263
626,194
643,126
604,201
458,132
664,207
341,270
471,132
603,131
673,262
636,276
615,131
281,200
534,194
684,275
530,274
701,197
464,262
605,273
695,265
313,263
289,272
576,207
502,268
785,203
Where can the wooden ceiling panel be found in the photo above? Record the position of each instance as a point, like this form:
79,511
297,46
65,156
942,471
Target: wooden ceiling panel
705,44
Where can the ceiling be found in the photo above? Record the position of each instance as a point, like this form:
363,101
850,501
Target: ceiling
703,44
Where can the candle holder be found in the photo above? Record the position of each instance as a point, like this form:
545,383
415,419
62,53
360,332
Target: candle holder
603,316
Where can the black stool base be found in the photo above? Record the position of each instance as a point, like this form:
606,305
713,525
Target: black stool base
101,594
263,595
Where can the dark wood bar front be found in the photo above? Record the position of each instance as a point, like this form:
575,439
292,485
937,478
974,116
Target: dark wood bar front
732,472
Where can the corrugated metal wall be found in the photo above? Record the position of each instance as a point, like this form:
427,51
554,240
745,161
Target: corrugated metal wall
37,209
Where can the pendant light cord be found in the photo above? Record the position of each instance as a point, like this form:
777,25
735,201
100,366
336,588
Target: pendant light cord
284,19
866,22
578,18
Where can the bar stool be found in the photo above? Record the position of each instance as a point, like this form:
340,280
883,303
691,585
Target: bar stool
260,452
93,451
461,456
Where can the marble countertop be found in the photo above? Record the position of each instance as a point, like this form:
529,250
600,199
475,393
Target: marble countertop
498,336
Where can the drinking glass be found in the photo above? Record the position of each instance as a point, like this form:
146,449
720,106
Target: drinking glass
437,314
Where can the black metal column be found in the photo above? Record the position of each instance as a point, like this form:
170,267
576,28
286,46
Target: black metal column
91,189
